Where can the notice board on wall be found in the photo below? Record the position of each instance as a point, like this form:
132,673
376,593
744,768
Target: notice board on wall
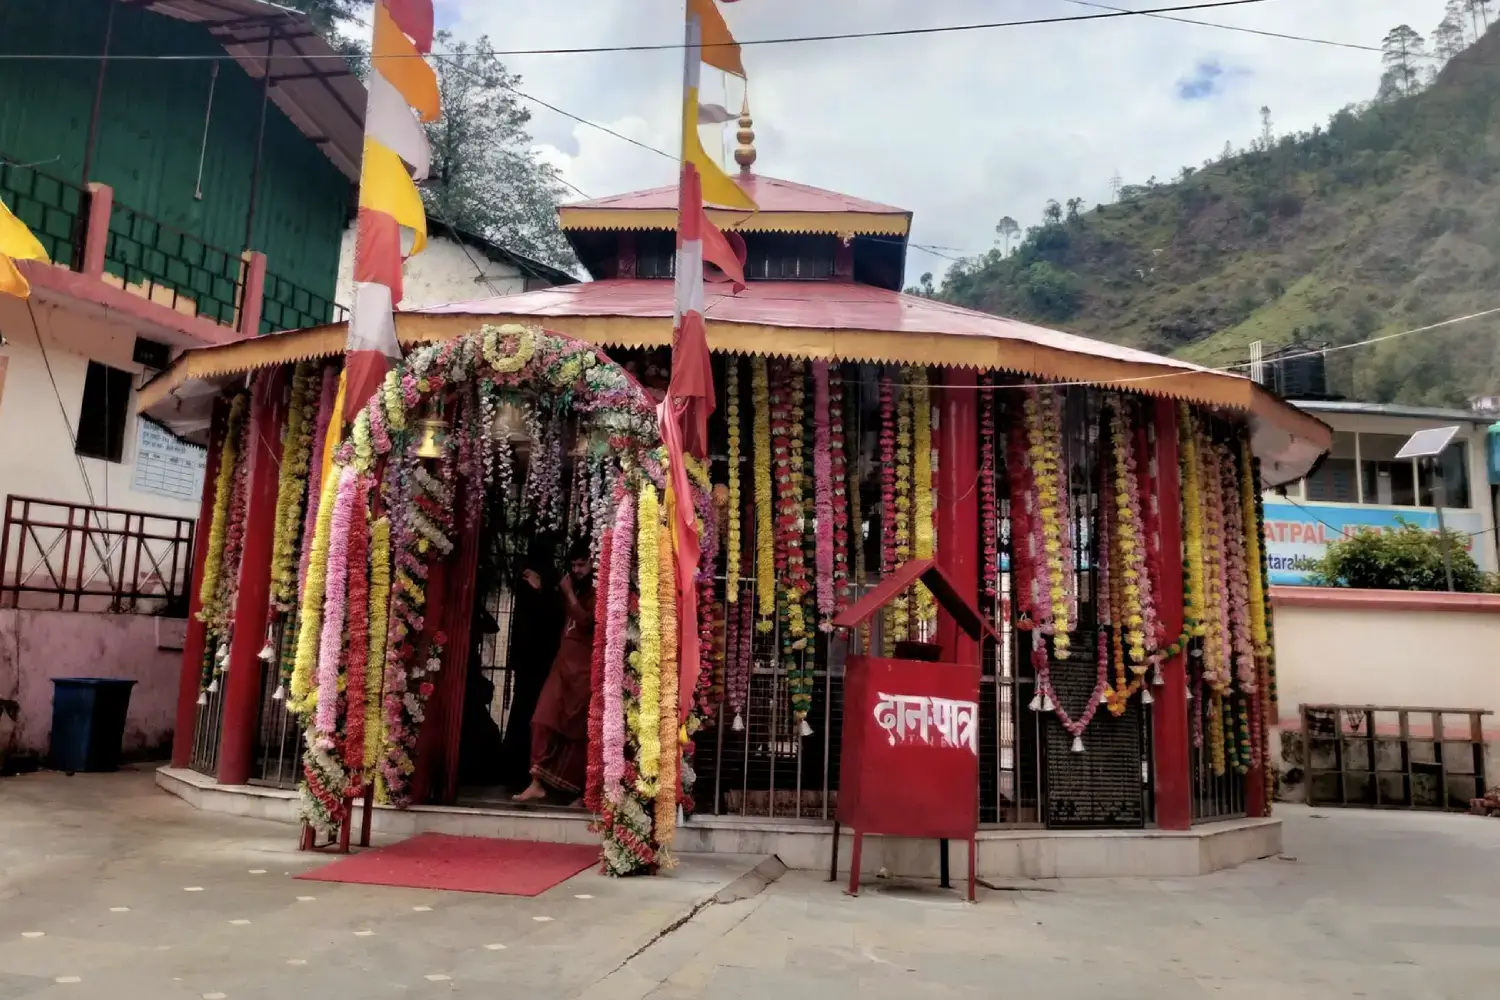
166,465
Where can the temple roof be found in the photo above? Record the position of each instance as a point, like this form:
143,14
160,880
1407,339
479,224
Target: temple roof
785,206
807,319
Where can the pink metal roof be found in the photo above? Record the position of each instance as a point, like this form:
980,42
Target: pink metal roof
770,193
818,305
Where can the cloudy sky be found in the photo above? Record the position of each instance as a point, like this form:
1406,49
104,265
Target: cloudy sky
960,128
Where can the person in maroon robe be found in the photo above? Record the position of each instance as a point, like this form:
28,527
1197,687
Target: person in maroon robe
560,725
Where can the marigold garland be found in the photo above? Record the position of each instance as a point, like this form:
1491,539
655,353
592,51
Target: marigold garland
310,620
989,507
666,786
622,542
765,540
335,598
923,489
213,560
648,586
838,474
899,615
291,488
823,481
326,399
379,618
356,682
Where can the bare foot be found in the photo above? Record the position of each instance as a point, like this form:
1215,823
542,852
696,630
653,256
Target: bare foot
534,792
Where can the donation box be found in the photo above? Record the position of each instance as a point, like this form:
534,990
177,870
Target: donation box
910,751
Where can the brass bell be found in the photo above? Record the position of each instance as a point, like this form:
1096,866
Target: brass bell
433,430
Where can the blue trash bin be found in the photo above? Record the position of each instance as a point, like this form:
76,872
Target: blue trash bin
88,723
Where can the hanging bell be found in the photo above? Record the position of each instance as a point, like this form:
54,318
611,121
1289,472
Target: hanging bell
1156,678
1078,744
739,723
202,698
1146,698
213,686
268,651
222,653
280,693
510,424
433,430
1189,693
1047,705
1036,702
804,729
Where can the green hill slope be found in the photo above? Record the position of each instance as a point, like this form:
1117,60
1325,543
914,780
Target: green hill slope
1386,219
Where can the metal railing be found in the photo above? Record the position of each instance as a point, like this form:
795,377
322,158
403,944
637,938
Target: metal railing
173,268
53,209
288,306
1393,757
77,557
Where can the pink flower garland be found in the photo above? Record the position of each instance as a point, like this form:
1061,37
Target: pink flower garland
1238,573
823,495
1048,697
332,641
738,680
359,635
621,546
315,470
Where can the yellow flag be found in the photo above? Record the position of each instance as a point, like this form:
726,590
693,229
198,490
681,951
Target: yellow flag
386,186
720,50
16,243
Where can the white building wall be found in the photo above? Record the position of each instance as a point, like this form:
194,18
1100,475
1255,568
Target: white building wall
442,273
36,421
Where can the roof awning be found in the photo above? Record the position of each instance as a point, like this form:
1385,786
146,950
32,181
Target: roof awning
835,321
311,83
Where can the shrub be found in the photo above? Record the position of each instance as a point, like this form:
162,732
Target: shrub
1407,557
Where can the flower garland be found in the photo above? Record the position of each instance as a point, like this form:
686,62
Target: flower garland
794,519
989,521
666,786
1255,597
900,607
1026,552
621,544
356,683
1045,700
211,611
1267,680
889,516
765,542
1043,409
732,424
1136,604
331,643
838,475
923,491
710,665
379,618
315,471
291,488
648,655
310,620
823,481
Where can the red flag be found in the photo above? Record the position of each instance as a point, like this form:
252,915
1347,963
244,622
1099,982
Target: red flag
684,528
414,18
726,256
691,389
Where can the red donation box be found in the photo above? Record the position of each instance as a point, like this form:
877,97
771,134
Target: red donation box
910,764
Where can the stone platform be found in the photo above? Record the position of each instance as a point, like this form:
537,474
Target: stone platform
805,844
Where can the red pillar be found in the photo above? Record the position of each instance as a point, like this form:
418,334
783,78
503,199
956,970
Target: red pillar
192,645
1169,713
958,500
243,682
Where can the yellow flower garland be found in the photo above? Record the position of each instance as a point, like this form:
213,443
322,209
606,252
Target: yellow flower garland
732,419
296,453
310,621
1258,634
666,788
1045,450
900,608
923,487
380,603
213,560
647,720
765,551
1192,511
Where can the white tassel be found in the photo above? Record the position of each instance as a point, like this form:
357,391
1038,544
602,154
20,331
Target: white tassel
1036,703
213,686
1078,744
805,729
739,723
1047,705
222,655
202,698
280,693
1146,698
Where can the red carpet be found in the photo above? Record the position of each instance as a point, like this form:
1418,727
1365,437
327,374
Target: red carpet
463,864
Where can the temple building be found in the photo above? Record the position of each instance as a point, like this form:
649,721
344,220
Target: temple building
1099,504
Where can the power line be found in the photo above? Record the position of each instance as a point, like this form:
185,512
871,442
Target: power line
1231,27
1109,14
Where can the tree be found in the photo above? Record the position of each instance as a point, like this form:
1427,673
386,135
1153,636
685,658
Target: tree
485,176
1448,37
1479,13
1052,213
1267,134
1404,558
1402,49
1050,291
1007,229
1075,205
326,14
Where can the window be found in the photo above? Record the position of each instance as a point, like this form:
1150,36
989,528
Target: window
1388,481
1452,468
789,257
1334,480
655,255
105,409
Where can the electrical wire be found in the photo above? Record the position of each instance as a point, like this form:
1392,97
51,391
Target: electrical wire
1109,14
1230,27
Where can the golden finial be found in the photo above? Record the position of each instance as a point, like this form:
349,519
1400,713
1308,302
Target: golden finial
744,153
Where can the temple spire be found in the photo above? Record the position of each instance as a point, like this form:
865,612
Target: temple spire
744,153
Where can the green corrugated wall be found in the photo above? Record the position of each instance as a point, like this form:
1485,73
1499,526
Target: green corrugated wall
151,131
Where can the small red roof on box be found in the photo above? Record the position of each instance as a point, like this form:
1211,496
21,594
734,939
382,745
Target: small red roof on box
928,572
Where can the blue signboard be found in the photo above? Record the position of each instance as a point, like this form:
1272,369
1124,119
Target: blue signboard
1297,535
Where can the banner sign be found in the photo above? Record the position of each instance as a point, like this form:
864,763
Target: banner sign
1298,535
